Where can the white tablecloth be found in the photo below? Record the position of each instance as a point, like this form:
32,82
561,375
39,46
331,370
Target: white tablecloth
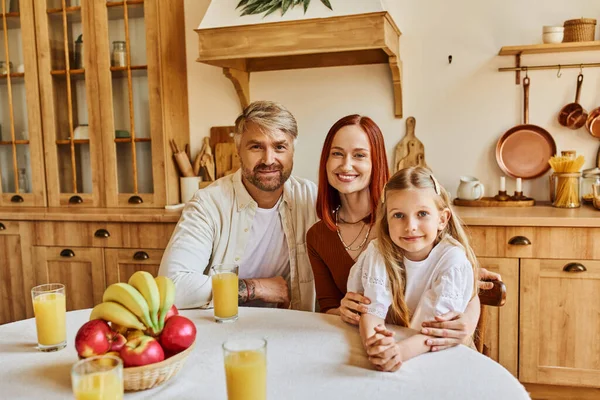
309,356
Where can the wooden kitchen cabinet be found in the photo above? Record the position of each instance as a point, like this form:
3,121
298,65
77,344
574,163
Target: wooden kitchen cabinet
560,322
16,274
81,270
120,264
107,119
502,329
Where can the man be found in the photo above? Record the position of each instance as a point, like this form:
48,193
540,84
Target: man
256,218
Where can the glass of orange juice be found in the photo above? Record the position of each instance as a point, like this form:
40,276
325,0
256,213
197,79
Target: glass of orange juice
50,309
225,291
246,369
98,378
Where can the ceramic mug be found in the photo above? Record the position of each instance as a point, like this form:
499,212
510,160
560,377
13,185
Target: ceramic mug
470,188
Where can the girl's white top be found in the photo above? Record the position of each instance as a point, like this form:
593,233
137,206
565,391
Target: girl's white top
442,282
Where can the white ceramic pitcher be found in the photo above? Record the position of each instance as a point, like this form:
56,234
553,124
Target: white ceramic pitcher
470,188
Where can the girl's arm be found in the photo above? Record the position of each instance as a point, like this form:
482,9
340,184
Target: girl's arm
388,355
367,325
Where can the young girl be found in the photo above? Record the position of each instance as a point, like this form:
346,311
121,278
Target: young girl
420,266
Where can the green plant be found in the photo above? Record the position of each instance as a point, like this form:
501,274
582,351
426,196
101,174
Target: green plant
269,6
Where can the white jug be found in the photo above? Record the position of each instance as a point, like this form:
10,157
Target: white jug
470,188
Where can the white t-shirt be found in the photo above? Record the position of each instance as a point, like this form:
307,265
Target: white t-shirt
266,254
442,282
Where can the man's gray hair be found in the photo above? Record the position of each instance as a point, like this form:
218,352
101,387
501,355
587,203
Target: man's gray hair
268,117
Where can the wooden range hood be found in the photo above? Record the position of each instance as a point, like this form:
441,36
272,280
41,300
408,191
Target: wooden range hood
370,38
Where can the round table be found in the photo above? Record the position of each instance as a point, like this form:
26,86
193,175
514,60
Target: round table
309,356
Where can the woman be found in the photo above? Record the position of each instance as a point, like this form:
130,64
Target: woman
353,172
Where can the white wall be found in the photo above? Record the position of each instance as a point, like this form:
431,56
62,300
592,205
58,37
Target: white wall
461,109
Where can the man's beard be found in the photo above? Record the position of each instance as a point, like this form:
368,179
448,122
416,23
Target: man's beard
267,185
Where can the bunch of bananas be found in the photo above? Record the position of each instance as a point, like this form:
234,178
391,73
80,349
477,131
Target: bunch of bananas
142,303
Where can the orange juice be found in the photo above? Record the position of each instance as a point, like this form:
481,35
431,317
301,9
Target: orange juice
225,295
50,311
99,386
246,373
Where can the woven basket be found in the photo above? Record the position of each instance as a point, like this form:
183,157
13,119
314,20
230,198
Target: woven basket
580,30
149,376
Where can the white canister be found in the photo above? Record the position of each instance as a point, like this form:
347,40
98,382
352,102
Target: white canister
188,186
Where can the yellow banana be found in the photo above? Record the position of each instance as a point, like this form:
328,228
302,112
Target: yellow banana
114,312
127,296
166,288
144,282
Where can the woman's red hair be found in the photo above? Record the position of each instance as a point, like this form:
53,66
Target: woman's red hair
328,198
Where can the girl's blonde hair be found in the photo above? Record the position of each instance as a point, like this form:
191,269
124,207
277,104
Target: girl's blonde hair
415,178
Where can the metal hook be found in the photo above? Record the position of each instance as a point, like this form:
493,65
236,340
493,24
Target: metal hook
581,68
526,75
559,73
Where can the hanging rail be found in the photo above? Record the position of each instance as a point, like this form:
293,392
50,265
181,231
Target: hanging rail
552,66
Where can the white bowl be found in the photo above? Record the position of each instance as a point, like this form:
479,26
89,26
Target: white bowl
553,37
548,29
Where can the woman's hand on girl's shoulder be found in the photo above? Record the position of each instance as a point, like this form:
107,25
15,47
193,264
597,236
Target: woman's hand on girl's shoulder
485,276
352,306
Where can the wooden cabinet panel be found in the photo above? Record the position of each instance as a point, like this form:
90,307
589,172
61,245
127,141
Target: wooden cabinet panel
12,294
502,329
120,264
92,234
560,322
81,270
555,242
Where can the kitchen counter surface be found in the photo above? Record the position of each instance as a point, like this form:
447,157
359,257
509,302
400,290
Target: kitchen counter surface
539,215
89,214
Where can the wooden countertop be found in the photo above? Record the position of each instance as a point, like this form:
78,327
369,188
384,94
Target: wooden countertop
539,215
90,214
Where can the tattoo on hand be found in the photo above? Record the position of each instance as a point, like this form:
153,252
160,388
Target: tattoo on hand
242,292
246,290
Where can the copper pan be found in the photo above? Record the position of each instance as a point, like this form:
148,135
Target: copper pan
592,124
524,150
573,116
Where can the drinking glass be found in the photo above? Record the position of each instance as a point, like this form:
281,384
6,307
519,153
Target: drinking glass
246,369
50,309
225,291
98,378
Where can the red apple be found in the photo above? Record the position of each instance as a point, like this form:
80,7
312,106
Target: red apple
95,338
172,311
142,350
178,334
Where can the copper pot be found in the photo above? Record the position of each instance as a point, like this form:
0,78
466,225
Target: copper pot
592,124
573,116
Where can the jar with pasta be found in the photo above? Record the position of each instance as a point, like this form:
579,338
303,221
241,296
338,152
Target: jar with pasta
564,189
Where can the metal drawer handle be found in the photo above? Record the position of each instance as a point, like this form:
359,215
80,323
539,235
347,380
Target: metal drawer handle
2,227
141,255
135,200
67,253
16,199
574,267
75,200
102,233
519,241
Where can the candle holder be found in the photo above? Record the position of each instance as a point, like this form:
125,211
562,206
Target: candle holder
519,196
502,196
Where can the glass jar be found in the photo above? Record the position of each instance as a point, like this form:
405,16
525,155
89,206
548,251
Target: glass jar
590,177
78,56
23,181
5,68
119,54
564,189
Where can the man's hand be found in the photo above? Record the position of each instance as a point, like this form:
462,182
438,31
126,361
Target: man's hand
270,290
351,306
485,275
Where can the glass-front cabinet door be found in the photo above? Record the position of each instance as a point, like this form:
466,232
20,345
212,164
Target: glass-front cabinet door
132,128
22,180
71,121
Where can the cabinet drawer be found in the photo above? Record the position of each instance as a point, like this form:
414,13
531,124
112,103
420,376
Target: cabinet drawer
9,227
99,234
531,242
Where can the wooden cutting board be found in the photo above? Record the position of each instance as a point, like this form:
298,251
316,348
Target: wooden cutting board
409,152
226,159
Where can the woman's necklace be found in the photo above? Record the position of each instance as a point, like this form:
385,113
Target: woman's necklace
347,247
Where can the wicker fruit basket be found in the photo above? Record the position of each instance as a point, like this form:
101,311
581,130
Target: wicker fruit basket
152,375
580,30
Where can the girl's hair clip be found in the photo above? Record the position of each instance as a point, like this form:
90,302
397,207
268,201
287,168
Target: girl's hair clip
436,185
